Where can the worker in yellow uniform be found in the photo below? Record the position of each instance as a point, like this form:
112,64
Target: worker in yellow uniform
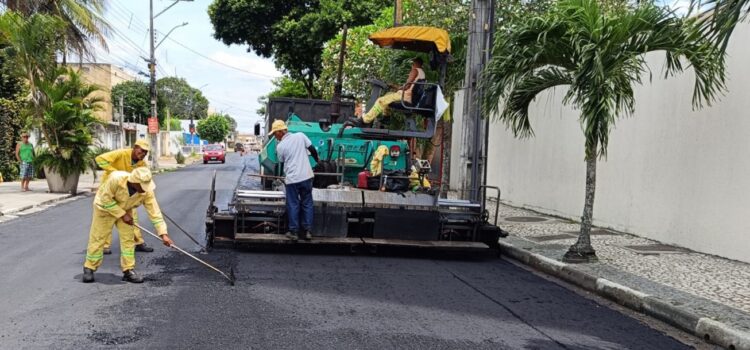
114,205
378,158
125,159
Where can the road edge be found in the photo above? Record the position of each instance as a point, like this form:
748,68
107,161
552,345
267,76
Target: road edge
81,194
703,327
43,203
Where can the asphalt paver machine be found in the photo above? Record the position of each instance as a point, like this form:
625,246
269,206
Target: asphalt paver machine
345,211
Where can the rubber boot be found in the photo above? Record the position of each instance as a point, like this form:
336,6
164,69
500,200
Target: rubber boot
143,248
132,276
88,275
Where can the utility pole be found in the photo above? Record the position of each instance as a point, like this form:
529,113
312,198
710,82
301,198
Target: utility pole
122,116
152,86
472,131
155,144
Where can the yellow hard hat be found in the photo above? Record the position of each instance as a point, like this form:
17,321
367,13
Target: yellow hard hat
144,177
277,125
143,144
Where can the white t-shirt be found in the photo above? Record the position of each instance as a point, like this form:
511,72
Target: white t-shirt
292,151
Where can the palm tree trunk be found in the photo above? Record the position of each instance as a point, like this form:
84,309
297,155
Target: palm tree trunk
582,251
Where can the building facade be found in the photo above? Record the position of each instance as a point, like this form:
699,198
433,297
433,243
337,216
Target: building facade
106,76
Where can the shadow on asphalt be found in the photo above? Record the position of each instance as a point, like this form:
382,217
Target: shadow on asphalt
362,250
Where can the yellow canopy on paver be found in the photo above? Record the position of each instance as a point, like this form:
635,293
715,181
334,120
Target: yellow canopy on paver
413,38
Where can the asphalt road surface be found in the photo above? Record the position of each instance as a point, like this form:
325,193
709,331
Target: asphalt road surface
282,300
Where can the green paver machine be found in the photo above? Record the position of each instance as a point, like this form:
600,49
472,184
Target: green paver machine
345,210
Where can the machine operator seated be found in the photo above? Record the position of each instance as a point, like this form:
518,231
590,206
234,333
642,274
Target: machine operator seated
381,106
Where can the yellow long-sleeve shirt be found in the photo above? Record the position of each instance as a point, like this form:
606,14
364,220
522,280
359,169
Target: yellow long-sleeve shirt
376,165
113,198
117,160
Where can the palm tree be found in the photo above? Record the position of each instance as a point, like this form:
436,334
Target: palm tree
68,123
599,54
84,20
31,43
719,17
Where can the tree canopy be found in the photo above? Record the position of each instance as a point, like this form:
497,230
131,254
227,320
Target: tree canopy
136,99
183,100
283,86
292,32
232,122
214,128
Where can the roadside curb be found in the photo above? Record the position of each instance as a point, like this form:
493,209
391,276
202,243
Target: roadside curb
47,202
703,327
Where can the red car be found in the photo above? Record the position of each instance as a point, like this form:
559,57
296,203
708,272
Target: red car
213,153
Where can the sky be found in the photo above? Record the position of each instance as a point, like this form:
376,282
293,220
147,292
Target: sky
230,77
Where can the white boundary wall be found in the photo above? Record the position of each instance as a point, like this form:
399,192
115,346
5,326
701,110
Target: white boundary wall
672,174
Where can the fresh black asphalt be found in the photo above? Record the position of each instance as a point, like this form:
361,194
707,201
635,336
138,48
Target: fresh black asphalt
282,299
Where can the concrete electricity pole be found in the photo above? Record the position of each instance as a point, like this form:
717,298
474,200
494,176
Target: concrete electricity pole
152,86
473,129
155,149
122,116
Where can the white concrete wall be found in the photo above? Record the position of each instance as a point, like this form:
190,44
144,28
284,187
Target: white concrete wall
456,146
672,174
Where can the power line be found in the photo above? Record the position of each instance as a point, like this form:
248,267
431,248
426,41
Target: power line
125,12
219,62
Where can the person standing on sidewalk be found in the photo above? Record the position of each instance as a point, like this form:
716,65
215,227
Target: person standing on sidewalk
25,156
292,151
125,159
114,205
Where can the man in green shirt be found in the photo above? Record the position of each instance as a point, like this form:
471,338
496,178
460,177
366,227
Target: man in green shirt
25,155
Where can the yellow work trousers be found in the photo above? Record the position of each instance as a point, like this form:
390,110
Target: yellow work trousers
101,230
381,106
136,232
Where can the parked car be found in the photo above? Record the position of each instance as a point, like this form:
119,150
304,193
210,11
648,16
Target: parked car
213,153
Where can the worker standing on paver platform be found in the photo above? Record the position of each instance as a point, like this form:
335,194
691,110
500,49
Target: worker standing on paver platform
115,204
125,159
292,151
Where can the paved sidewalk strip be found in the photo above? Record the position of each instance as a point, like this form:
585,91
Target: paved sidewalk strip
706,295
14,201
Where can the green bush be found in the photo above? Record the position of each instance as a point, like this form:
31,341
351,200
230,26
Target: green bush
179,158
174,124
10,125
67,125
97,151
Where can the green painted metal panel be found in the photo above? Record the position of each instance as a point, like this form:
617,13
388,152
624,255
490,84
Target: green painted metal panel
357,151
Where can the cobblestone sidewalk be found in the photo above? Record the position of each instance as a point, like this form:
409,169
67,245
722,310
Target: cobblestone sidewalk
707,285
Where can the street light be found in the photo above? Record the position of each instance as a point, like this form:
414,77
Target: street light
152,71
170,32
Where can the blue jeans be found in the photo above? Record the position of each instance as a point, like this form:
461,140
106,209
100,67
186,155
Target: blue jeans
299,198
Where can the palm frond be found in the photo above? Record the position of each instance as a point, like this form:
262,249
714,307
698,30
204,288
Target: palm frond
599,51
524,90
718,18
